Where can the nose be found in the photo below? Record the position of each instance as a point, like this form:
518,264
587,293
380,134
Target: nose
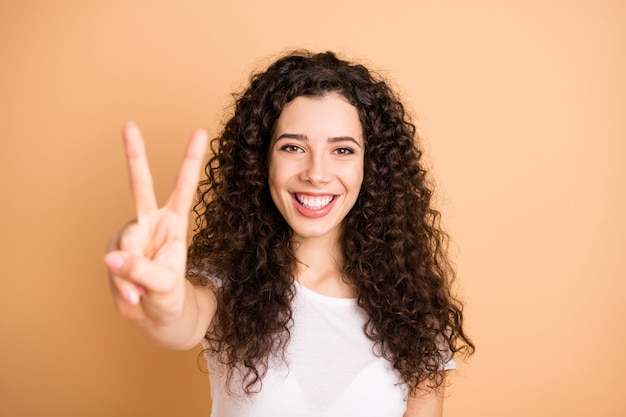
315,169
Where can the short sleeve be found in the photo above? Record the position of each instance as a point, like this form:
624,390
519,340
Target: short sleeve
203,274
446,354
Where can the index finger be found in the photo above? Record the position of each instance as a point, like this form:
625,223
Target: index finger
187,179
141,186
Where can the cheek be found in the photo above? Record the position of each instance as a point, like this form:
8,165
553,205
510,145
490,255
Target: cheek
273,186
272,174
354,176
359,177
358,181
276,180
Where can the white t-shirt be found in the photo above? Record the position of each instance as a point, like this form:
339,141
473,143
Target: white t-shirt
332,369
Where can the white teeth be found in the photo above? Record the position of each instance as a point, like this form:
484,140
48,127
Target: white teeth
314,203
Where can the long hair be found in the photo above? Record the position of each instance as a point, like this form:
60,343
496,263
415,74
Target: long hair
393,246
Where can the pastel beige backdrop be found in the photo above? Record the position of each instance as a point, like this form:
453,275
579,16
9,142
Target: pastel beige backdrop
522,107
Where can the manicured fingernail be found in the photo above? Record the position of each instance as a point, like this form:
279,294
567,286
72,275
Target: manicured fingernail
114,260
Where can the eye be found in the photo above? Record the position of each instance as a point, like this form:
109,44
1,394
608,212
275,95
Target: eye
291,148
343,151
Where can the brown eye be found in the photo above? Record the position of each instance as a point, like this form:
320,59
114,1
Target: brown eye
291,148
343,151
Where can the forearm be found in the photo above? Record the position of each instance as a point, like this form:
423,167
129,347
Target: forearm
186,329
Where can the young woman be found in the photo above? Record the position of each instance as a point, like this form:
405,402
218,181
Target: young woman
317,280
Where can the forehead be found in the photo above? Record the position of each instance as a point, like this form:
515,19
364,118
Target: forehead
324,116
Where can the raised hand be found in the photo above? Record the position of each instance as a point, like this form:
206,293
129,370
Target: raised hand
146,259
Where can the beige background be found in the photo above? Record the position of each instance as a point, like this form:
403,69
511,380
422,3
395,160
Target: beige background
522,106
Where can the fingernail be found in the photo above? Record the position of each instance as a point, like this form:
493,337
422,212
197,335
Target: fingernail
131,127
132,296
114,260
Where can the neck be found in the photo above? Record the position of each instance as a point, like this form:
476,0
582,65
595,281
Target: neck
319,267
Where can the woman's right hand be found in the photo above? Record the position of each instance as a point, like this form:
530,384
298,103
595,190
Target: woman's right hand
147,258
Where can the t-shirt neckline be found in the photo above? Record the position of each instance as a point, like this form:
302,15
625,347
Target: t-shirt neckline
321,297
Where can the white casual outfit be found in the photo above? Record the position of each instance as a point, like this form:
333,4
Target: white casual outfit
331,369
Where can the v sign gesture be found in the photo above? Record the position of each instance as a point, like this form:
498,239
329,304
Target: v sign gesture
147,258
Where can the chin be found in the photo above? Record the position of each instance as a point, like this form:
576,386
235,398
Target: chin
312,233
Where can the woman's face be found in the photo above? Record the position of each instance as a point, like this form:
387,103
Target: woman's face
316,164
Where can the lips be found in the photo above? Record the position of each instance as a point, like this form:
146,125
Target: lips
314,206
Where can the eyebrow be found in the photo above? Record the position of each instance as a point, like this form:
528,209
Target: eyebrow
332,139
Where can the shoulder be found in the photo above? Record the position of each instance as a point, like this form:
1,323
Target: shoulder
204,275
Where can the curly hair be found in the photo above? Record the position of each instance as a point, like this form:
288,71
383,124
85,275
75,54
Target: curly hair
392,242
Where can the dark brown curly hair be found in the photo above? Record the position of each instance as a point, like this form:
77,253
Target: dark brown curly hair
393,246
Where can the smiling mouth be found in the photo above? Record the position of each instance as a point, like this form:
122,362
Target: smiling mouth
314,202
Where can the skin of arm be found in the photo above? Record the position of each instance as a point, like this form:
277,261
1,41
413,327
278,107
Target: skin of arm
180,332
187,330
425,403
